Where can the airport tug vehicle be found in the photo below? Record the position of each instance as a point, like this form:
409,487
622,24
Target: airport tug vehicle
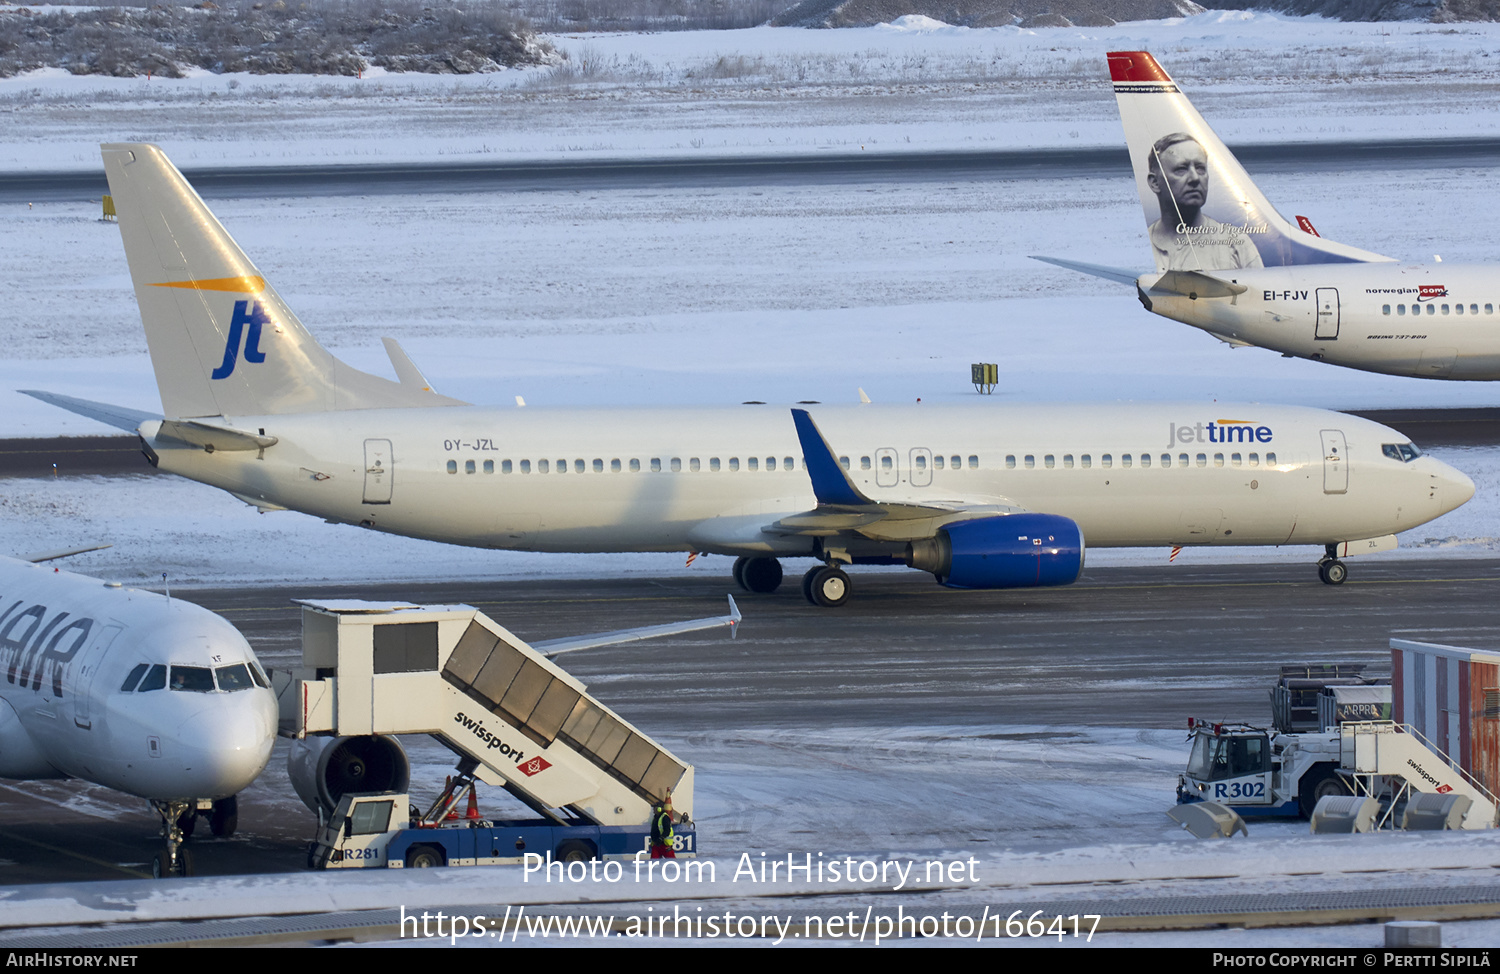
1331,736
511,716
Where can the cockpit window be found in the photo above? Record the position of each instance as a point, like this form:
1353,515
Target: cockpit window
134,677
1405,452
259,677
198,679
156,679
236,677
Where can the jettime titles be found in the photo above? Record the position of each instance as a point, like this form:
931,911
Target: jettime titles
1218,431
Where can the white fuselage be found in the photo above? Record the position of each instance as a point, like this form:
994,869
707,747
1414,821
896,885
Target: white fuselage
1435,321
713,479
69,643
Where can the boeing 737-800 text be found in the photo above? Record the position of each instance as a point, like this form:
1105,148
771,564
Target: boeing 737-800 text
1228,263
135,691
981,496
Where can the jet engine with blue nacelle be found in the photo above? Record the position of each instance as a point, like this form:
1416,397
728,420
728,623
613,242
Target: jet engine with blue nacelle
132,690
982,496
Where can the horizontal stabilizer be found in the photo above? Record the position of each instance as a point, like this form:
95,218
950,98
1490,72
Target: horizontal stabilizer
213,438
117,416
1195,284
40,556
556,647
1121,275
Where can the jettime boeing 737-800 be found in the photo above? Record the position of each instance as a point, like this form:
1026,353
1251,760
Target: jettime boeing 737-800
135,691
981,496
1228,263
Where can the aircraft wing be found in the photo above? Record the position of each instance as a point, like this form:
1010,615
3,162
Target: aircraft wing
1122,275
572,644
40,556
119,417
842,506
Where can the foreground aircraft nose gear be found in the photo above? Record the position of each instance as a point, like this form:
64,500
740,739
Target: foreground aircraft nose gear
174,860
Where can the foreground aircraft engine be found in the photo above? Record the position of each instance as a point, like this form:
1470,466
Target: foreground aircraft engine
1012,551
324,769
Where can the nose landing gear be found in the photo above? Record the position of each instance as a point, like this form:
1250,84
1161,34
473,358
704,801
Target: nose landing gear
174,860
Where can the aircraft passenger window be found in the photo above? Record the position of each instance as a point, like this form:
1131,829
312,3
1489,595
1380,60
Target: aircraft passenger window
1458,309
787,463
136,674
599,465
468,466
1235,459
1432,309
864,463
1445,309
752,463
578,466
156,679
693,465
453,466
956,463
844,462
1182,459
973,462
1124,459
1146,459
734,463
1385,309
886,463
713,464
194,679
677,464
920,462
1050,461
543,466
1030,462
526,466
1010,462
635,465
1068,461
1218,459
1203,459
1489,309
1255,459
561,466
1473,309
656,464
1166,460
489,466
770,463
1270,459
1106,461
231,678
1400,309
1086,461
614,465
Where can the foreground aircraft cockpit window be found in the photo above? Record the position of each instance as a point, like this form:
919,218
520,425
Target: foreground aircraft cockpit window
156,679
195,679
1405,452
134,677
236,677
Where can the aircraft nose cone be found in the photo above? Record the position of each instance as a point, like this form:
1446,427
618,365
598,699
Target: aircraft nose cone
1455,487
228,747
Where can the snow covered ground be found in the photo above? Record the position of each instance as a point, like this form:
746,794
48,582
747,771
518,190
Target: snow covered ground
728,294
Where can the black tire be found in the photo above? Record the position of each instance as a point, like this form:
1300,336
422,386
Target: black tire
159,865
807,583
575,850
1317,784
762,575
184,862
830,587
225,817
739,572
159,868
1334,573
424,857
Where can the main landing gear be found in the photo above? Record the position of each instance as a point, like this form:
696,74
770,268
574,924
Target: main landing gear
823,585
1330,569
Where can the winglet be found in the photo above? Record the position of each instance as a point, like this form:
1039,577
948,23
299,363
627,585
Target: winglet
830,483
734,619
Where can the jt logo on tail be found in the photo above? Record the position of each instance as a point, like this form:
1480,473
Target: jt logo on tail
255,318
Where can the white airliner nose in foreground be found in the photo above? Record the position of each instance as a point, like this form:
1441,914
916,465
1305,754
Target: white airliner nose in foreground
132,690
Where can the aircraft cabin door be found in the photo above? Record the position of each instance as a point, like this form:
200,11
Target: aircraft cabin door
1335,463
1327,328
921,467
887,467
379,471
93,658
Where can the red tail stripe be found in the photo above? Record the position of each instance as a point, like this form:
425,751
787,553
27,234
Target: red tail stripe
1135,66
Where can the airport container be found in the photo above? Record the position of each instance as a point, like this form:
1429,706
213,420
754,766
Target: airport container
1451,695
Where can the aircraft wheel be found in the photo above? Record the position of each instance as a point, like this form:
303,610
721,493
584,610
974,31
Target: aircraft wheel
830,587
739,572
225,817
423,857
160,867
575,850
1333,572
762,575
807,583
